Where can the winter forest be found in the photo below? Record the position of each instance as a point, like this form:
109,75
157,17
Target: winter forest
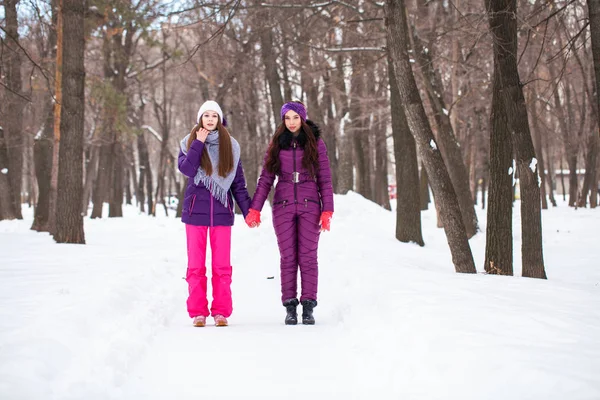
483,102
463,140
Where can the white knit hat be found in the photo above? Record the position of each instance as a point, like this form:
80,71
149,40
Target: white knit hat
209,105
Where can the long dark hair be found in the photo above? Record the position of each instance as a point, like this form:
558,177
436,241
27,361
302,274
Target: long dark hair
310,160
225,150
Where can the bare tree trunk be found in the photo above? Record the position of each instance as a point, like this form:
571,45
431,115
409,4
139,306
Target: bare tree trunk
332,126
144,169
42,155
503,26
594,16
251,153
101,191
499,238
562,180
571,150
6,205
32,193
345,171
43,145
408,207
483,191
90,173
51,228
590,169
115,204
339,99
359,130
446,139
132,174
594,187
13,120
454,81
471,139
269,59
101,184
381,193
537,137
161,112
424,189
127,184
69,221
397,40
551,177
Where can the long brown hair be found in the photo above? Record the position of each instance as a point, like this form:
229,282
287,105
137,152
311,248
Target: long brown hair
310,160
225,150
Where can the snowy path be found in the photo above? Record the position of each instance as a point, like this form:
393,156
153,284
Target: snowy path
107,320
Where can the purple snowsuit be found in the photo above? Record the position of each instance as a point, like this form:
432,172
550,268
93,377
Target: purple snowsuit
297,205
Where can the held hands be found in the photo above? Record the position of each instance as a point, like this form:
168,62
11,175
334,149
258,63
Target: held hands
325,220
201,134
253,218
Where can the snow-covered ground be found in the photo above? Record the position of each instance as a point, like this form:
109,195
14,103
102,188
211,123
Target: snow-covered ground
108,321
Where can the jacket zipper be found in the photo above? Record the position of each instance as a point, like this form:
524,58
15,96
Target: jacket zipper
310,200
280,202
192,206
211,210
295,186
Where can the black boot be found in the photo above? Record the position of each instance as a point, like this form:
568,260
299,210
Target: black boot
290,307
307,312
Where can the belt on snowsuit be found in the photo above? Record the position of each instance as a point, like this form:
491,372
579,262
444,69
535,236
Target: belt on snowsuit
295,177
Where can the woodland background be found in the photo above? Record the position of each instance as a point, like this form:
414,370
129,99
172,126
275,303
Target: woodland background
483,102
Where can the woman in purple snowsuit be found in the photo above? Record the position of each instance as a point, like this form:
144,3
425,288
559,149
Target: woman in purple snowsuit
302,205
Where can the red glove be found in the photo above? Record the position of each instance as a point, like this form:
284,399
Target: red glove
325,221
253,218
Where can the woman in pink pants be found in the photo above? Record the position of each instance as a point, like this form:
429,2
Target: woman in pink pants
210,158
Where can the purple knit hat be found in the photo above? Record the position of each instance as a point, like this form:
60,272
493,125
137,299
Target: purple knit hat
296,107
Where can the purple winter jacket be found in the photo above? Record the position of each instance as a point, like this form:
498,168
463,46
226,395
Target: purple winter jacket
199,206
315,193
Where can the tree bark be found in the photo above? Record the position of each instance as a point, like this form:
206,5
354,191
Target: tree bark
115,203
90,173
448,144
42,155
43,145
571,146
13,120
537,137
503,26
269,59
397,38
345,178
424,197
551,177
57,110
359,131
590,170
69,220
408,207
381,187
594,16
499,237
6,205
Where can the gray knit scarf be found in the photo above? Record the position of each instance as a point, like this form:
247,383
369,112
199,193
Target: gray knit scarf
217,185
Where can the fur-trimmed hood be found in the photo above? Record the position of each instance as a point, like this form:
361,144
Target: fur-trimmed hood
285,140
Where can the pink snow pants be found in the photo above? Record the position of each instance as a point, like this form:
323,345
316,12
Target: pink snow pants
220,244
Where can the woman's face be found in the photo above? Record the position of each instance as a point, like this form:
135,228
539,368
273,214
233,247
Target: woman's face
209,120
292,121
